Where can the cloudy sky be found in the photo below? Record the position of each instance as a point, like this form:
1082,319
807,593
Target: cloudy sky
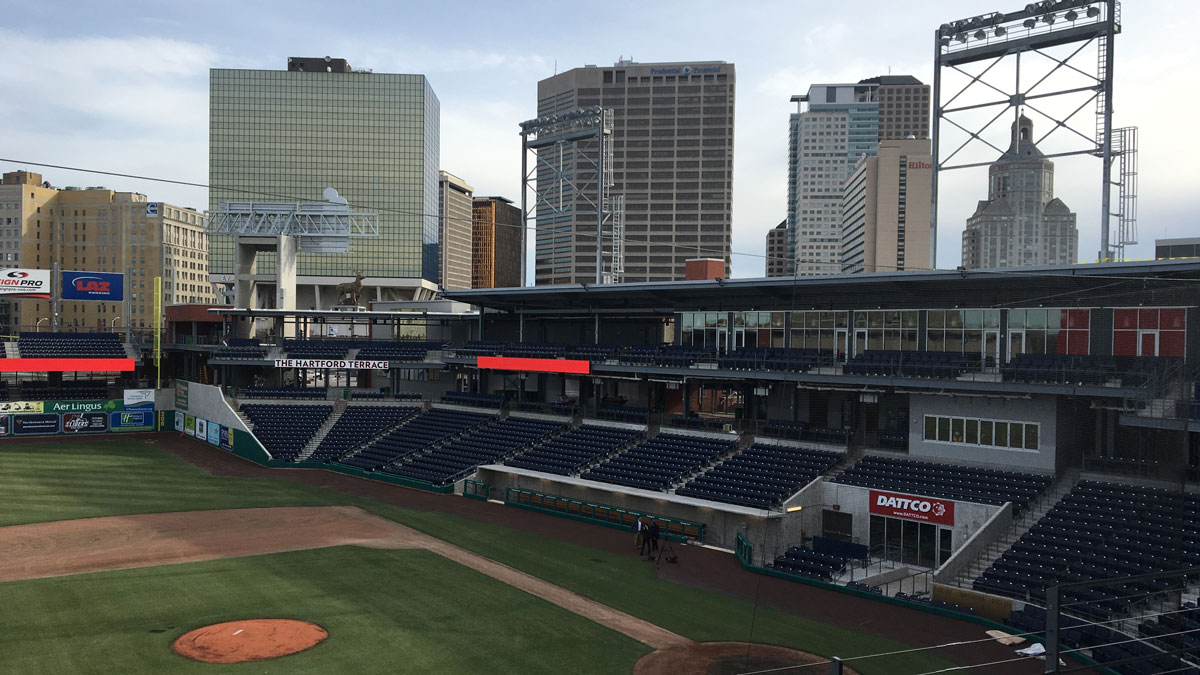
123,86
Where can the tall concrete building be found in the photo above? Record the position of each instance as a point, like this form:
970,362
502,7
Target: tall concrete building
777,260
286,135
833,127
885,209
454,231
1021,223
672,161
496,244
100,230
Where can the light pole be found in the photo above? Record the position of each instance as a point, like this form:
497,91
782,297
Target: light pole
113,323
37,327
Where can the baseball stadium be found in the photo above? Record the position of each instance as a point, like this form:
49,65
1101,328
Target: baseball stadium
928,472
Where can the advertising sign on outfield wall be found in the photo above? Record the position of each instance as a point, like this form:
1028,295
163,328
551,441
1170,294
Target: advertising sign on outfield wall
189,425
136,399
227,438
214,433
85,423
34,425
132,420
4,425
201,429
21,407
178,421
82,406
181,396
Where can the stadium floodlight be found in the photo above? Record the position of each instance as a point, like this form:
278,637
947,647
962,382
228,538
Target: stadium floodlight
1016,38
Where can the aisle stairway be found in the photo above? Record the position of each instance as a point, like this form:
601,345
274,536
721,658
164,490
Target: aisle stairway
322,431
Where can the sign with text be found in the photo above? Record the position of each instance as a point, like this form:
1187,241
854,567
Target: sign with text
24,283
227,438
332,364
214,433
202,429
82,406
139,398
133,420
32,425
909,507
85,423
4,425
106,286
181,396
189,425
178,421
21,407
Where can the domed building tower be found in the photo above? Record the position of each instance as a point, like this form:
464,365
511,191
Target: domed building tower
1021,223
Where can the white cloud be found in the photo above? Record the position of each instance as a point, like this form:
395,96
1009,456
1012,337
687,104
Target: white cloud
92,86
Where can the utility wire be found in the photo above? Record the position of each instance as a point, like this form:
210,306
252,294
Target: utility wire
698,249
960,643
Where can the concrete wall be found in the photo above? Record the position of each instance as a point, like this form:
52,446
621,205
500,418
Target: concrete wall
203,400
966,552
766,532
1039,409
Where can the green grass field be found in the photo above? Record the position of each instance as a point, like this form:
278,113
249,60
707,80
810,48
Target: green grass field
447,617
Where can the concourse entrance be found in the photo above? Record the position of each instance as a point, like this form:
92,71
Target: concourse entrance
910,542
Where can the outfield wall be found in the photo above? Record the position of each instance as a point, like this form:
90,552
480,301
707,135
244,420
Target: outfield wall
770,530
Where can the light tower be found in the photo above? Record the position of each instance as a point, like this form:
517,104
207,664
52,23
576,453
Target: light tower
559,143
1056,34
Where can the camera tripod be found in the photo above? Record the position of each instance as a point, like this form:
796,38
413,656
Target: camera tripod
666,551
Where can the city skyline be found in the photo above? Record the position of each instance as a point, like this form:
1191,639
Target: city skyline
487,87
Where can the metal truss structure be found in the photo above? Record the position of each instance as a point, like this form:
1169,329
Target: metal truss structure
564,147
321,227
1056,31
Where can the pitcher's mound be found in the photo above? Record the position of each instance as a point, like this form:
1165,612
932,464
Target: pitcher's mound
249,640
725,658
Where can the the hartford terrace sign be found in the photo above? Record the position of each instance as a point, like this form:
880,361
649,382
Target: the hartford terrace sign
332,364
925,509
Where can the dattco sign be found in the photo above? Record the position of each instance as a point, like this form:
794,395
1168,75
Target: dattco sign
909,507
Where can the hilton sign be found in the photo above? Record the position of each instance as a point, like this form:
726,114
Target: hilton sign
920,165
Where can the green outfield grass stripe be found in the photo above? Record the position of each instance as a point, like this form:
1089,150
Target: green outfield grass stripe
97,478
386,611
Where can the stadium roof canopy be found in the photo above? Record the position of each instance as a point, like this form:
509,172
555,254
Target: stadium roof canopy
1128,284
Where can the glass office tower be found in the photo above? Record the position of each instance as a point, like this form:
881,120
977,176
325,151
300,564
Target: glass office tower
286,135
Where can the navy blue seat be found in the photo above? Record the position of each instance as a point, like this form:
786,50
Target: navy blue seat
660,462
762,476
283,429
488,444
357,425
576,449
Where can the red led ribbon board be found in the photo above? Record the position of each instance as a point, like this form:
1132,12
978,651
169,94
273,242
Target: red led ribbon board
909,507
65,365
567,366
